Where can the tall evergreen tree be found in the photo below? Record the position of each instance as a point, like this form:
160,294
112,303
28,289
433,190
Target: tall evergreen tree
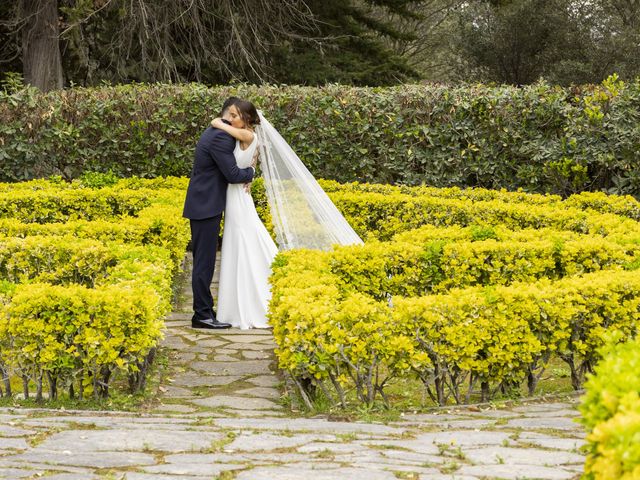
350,45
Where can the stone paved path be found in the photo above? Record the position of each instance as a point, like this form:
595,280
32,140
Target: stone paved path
221,372
534,441
220,418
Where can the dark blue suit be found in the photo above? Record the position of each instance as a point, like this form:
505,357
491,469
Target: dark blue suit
213,169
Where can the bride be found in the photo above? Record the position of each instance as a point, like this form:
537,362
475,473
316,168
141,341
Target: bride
303,217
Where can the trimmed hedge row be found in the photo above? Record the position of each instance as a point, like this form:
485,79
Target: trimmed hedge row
410,268
382,216
46,206
611,413
493,337
83,300
624,205
155,225
539,138
483,293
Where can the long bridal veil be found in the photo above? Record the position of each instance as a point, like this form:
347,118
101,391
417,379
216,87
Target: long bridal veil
303,215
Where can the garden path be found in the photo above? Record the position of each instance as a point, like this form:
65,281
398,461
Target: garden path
224,372
219,417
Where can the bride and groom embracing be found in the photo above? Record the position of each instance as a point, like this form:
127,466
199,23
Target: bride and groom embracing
224,166
303,215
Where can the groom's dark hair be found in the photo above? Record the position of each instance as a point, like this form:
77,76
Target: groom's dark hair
227,103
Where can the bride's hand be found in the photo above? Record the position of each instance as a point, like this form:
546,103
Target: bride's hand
217,123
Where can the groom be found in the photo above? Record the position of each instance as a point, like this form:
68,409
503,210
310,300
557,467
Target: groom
213,169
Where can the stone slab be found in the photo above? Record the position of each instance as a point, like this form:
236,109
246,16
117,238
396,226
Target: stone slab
11,431
564,412
159,476
175,343
227,351
225,358
293,473
244,338
458,438
257,354
468,424
540,407
186,317
521,456
212,343
235,402
19,473
331,447
72,476
516,472
196,380
415,447
265,380
178,408
553,423
85,459
176,392
261,392
255,442
310,425
11,443
129,440
183,357
258,414
250,346
247,367
201,469
570,444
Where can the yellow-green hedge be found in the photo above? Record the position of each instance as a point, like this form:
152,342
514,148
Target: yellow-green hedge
474,287
420,265
493,335
158,225
45,206
611,414
384,212
624,205
87,279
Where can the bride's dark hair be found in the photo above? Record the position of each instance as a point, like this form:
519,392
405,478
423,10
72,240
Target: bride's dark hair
248,112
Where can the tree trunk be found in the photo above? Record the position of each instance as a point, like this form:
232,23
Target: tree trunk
41,59
4,371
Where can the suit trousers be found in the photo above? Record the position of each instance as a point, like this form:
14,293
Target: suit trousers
204,243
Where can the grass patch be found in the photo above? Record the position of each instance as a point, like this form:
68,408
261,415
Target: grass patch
218,445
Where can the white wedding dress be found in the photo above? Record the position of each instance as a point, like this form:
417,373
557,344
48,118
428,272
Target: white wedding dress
246,256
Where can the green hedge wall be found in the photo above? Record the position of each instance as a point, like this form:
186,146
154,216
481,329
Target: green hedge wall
538,138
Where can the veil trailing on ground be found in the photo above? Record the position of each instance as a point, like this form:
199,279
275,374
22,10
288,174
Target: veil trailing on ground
303,215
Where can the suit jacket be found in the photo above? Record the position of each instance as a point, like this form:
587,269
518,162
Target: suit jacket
213,169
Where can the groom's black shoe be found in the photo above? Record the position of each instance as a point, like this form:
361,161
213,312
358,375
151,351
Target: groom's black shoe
209,323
